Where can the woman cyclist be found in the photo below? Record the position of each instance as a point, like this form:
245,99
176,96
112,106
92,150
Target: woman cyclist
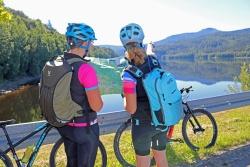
144,135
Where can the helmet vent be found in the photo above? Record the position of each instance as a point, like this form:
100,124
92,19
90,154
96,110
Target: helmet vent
128,28
136,33
137,28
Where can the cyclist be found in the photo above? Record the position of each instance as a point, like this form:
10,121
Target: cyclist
81,135
144,135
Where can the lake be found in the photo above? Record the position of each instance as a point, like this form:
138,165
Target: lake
209,78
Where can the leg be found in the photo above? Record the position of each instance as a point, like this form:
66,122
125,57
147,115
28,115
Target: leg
70,150
159,149
142,161
160,158
141,142
87,150
69,146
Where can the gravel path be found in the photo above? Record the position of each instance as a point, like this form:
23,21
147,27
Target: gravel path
235,157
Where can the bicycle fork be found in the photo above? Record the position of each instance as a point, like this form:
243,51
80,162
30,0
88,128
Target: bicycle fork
195,129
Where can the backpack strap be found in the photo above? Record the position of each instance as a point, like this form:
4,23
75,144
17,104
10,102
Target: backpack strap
153,60
70,60
74,60
135,71
138,73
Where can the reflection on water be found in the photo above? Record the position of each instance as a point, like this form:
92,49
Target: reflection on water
21,105
209,78
204,91
207,72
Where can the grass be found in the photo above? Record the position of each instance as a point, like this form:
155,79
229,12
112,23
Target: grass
110,81
233,129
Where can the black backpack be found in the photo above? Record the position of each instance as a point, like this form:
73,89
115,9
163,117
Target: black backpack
55,100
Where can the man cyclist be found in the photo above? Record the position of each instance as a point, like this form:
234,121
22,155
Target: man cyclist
81,135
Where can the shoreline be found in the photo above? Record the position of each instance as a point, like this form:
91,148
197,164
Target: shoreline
10,86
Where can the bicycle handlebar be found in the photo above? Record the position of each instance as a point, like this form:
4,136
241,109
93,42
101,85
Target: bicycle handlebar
187,90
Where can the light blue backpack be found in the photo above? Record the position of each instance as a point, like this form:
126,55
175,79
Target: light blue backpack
164,97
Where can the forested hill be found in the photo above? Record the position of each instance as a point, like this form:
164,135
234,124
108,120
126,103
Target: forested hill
207,42
26,44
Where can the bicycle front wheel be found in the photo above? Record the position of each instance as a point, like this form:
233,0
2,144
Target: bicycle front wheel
199,129
5,160
58,157
123,146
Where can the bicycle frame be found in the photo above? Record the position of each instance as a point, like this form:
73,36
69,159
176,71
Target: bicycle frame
188,110
45,127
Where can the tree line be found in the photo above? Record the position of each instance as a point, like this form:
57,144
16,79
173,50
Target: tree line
26,44
217,44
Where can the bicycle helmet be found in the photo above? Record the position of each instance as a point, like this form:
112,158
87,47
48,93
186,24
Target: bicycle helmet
131,33
78,32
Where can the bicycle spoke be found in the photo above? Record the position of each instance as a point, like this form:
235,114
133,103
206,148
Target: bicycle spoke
200,137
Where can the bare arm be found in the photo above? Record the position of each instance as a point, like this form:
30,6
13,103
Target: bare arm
130,102
95,100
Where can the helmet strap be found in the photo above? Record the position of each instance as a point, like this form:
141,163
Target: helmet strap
86,48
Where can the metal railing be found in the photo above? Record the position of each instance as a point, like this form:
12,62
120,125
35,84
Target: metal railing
110,120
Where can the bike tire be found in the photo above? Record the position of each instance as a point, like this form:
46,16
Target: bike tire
5,160
124,150
193,140
59,147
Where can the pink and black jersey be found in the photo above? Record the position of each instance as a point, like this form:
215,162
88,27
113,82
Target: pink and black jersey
87,77
84,78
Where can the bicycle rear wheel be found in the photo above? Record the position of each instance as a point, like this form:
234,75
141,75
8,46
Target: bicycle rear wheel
58,157
199,129
123,146
5,160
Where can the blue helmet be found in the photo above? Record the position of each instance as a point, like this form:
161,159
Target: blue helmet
80,31
131,33
77,32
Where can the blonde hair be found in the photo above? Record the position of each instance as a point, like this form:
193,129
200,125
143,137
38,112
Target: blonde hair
136,54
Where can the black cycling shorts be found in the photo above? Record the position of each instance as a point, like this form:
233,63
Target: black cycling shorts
145,136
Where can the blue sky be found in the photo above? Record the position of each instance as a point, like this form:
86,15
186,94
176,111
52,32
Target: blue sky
158,18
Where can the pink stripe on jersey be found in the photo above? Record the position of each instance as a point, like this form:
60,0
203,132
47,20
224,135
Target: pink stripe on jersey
87,77
129,87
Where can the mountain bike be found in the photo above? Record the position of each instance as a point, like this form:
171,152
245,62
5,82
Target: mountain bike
5,161
199,131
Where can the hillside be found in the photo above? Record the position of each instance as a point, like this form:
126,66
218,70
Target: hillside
119,50
26,44
207,42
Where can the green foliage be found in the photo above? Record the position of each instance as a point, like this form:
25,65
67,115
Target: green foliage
26,45
110,81
243,79
5,16
102,52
